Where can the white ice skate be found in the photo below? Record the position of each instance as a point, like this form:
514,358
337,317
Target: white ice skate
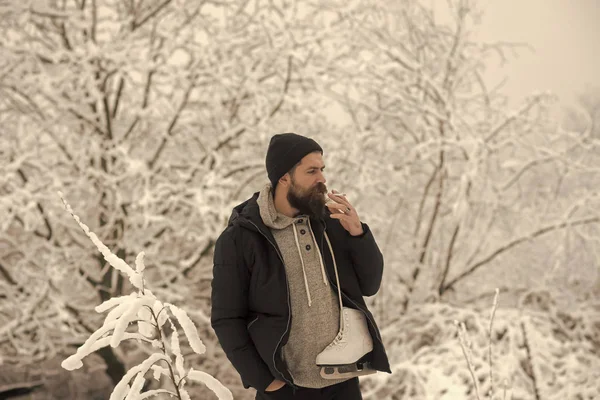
344,357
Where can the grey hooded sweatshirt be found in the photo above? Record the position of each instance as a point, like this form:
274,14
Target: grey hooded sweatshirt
314,304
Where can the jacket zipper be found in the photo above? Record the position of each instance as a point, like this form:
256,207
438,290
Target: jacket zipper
288,303
378,337
251,322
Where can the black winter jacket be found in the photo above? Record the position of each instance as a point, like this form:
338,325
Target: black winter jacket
250,311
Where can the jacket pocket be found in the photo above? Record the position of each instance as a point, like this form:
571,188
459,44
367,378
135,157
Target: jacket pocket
264,332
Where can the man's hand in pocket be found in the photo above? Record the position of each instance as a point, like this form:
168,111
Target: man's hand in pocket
275,385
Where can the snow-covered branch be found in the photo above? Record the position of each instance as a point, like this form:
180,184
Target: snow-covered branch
143,308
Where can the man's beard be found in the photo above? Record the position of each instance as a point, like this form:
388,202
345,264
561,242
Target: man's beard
311,202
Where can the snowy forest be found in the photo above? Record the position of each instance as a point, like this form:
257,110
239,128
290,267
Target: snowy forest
130,128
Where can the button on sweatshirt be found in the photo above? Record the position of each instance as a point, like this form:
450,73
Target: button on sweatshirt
314,304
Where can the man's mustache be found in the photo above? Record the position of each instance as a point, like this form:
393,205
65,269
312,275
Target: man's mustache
321,188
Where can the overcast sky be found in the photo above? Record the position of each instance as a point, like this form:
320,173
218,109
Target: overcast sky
565,35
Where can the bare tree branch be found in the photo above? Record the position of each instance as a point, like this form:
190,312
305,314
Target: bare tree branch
144,103
151,14
448,259
118,97
94,21
285,87
7,276
515,242
522,111
436,207
172,124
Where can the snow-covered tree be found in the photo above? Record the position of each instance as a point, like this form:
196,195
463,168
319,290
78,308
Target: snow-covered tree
539,350
462,182
464,192
154,114
584,115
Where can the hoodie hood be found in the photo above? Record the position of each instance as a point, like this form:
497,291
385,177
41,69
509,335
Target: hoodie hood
269,214
260,209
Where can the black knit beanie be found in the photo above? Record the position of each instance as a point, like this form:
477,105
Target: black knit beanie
285,150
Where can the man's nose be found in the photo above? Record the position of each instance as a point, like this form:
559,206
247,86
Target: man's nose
322,178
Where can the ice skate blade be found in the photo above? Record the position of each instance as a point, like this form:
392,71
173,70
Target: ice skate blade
346,371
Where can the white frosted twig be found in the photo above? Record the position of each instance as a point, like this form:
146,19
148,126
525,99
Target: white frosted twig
156,392
117,312
184,394
494,307
466,348
117,320
159,371
74,361
139,262
212,383
188,328
145,323
116,262
112,302
177,352
161,316
136,387
127,317
122,387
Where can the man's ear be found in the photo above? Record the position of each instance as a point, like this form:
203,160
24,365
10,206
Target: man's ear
285,180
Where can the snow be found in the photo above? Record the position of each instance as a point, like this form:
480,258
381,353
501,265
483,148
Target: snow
184,394
177,353
125,319
121,389
136,387
160,312
139,263
116,262
118,311
155,392
217,387
75,361
189,328
159,371
112,302
384,144
145,323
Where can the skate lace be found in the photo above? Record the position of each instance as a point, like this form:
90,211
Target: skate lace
338,339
